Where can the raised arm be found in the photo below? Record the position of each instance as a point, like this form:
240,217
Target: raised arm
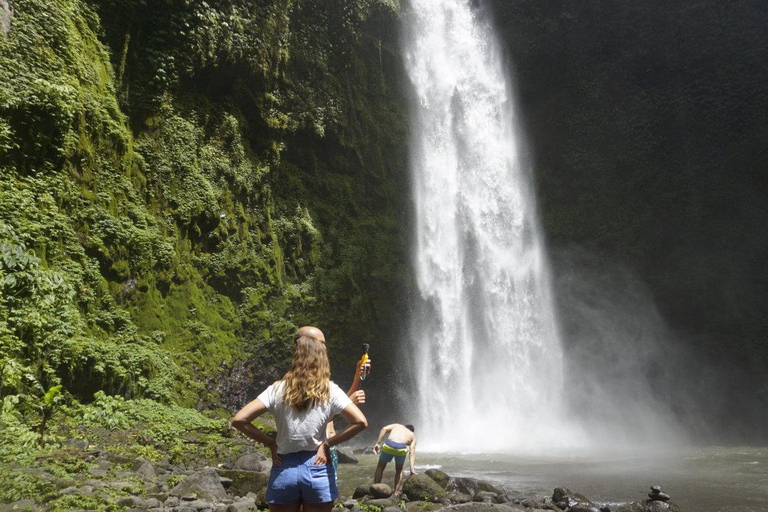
354,392
243,422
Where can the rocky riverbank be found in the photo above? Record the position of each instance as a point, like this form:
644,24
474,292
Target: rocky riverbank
83,477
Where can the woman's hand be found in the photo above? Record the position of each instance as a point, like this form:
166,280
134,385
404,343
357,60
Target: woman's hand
323,455
276,459
358,397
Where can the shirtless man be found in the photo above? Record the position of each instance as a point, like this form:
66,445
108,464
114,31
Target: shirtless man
401,440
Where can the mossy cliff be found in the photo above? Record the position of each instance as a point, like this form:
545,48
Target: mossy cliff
184,182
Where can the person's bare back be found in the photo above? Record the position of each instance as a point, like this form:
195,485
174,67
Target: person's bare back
400,434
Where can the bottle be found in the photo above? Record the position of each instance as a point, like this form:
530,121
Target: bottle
363,361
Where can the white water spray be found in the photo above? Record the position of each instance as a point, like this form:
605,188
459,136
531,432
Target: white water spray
487,361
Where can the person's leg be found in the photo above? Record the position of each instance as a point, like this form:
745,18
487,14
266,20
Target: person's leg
288,507
398,478
317,507
379,472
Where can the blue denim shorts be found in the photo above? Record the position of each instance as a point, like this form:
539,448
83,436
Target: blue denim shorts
296,480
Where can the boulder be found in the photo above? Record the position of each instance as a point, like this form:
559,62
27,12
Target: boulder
144,469
253,462
650,506
458,498
420,487
243,482
242,505
205,484
422,506
346,456
382,502
485,497
380,491
438,476
361,491
470,486
481,507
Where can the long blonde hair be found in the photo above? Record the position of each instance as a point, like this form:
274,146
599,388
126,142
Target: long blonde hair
307,381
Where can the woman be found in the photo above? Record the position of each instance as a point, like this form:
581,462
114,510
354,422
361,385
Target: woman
303,402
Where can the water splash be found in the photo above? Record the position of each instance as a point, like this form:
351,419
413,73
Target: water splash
488,361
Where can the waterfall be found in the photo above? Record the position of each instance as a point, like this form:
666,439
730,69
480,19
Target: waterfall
486,358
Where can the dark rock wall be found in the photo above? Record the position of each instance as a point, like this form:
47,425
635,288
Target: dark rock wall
647,124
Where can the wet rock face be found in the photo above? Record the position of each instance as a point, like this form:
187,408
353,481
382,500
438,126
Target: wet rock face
6,15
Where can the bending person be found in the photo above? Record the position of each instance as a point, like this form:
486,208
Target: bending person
400,441
302,402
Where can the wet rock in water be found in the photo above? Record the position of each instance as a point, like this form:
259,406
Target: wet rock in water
420,487
485,497
361,491
469,486
458,498
657,494
205,484
380,491
438,476
346,456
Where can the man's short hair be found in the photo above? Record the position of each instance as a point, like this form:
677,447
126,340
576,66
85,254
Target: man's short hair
410,427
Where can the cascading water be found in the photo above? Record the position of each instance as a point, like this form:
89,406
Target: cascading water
487,359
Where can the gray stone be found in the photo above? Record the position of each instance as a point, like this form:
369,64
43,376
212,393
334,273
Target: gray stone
470,486
242,505
349,503
243,482
253,462
63,483
481,507
362,490
205,483
131,501
121,486
346,456
381,502
221,507
380,491
98,472
660,496
144,469
457,497
485,496
199,505
116,458
20,505
391,509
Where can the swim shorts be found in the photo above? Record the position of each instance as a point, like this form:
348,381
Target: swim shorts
296,480
392,449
